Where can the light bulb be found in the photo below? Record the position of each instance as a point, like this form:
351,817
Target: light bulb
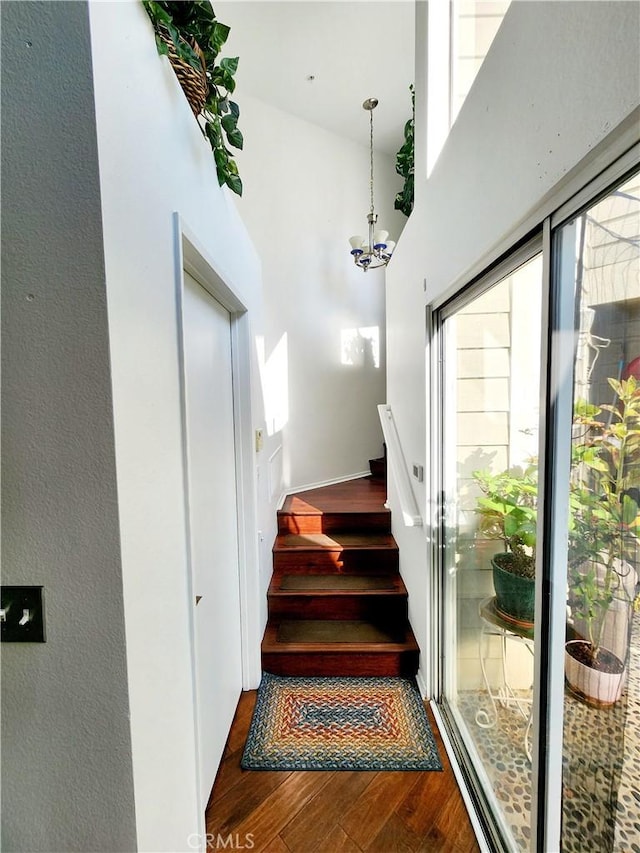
356,242
390,247
380,237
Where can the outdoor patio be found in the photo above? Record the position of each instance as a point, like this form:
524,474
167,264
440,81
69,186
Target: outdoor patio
601,760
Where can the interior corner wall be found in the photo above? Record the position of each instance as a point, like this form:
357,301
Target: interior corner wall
305,194
66,751
154,162
557,82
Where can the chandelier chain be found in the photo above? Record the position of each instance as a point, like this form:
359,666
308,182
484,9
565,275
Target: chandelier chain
371,157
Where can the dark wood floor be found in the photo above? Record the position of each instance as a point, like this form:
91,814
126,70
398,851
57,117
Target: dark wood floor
329,812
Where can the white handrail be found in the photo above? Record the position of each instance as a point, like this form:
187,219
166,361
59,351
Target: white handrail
408,505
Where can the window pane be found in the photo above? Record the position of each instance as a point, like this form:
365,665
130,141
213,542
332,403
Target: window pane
474,26
492,378
601,767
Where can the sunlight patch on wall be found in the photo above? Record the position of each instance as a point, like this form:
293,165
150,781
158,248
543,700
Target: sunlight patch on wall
274,378
360,347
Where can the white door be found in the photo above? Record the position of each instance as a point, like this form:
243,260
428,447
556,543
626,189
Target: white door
213,521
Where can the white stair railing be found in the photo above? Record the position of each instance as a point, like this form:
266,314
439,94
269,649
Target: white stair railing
398,467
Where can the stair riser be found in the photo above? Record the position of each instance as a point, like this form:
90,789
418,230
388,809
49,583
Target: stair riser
344,522
345,663
370,562
381,609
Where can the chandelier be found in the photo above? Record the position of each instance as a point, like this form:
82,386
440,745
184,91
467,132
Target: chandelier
374,250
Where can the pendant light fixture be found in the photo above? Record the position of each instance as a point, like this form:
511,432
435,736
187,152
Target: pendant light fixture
375,249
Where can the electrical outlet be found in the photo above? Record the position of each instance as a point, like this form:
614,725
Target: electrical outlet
22,614
259,440
418,472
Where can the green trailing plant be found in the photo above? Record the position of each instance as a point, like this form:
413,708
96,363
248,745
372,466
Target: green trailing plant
192,27
604,529
405,162
507,512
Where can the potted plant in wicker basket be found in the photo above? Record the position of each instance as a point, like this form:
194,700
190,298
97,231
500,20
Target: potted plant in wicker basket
190,35
507,512
604,536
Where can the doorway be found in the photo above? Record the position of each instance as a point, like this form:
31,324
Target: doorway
212,517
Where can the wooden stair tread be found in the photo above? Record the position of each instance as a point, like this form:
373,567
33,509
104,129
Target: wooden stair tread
360,496
349,635
337,542
338,583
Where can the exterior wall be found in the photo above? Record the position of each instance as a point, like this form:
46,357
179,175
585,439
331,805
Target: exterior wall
153,162
67,779
512,144
306,193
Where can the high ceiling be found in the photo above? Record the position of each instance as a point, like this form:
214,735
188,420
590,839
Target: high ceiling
321,60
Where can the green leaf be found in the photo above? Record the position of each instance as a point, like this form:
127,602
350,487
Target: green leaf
230,122
219,35
222,78
213,134
629,510
230,65
221,157
235,138
234,109
234,183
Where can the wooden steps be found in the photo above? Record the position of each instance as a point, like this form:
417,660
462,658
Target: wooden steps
337,603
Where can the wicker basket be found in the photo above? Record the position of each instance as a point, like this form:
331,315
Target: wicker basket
194,82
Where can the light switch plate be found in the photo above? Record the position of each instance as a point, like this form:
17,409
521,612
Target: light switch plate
22,614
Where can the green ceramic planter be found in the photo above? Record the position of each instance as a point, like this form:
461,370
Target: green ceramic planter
515,596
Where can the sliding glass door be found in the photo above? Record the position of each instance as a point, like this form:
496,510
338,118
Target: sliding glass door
538,563
491,347
600,253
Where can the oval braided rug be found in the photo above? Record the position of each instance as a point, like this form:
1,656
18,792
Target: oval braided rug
316,723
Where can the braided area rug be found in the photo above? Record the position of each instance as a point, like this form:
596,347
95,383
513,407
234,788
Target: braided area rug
339,724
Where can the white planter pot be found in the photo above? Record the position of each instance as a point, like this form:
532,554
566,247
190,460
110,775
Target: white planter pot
600,688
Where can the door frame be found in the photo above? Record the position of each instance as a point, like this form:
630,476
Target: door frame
192,258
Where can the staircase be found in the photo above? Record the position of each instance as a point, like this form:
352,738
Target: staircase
337,603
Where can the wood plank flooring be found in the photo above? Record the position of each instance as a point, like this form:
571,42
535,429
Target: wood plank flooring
334,812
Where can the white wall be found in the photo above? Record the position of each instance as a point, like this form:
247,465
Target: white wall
306,192
154,161
66,751
558,79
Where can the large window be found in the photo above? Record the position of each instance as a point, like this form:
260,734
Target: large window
539,564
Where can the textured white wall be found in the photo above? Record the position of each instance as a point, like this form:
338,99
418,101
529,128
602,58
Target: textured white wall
558,79
66,750
306,192
154,161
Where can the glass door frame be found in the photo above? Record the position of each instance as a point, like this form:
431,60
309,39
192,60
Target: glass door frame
558,341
